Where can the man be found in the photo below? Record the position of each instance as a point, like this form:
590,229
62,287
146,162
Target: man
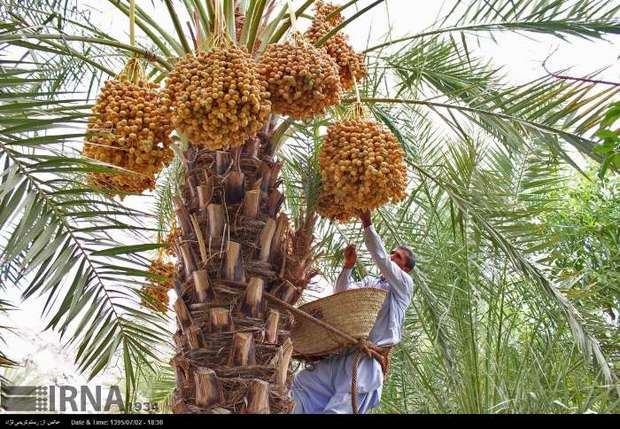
326,388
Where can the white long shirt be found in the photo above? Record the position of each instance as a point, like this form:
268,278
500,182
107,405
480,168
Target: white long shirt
387,330
327,388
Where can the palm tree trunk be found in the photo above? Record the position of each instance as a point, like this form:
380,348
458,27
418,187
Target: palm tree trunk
233,350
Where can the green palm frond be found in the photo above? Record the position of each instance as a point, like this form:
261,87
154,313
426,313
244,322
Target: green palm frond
159,388
468,209
589,19
463,298
164,41
167,188
461,90
445,67
76,44
58,236
302,178
582,18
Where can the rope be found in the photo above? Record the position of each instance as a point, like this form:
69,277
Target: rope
372,351
356,361
363,346
307,316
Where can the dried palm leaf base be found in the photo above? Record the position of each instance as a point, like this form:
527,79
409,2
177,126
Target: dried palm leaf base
233,350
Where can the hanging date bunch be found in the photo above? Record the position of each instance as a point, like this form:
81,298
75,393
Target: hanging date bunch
173,236
362,166
155,295
350,63
330,208
130,129
303,80
218,96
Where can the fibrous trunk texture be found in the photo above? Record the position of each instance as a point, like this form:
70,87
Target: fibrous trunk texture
235,248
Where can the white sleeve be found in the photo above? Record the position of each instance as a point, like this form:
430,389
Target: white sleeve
344,280
397,278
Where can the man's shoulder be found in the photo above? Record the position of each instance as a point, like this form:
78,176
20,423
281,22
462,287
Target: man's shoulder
407,281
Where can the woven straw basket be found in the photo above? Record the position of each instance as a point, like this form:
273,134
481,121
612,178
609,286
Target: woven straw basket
352,311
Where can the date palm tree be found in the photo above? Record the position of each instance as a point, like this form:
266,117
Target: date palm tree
483,157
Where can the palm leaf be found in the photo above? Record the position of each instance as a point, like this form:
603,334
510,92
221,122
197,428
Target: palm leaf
57,243
589,19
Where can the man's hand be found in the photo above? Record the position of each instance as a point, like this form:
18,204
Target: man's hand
350,256
365,218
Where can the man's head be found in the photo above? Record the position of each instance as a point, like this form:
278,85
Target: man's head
403,257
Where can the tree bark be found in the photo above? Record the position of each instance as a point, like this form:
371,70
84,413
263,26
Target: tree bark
253,297
258,397
208,388
271,326
201,283
220,320
233,350
242,353
252,200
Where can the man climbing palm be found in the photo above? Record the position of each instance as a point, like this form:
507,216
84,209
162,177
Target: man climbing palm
326,388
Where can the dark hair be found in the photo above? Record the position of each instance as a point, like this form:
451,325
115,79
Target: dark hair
409,257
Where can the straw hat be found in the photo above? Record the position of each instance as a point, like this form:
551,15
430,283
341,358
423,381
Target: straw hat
352,311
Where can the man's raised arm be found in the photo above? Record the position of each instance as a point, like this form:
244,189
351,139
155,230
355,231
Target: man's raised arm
398,279
344,279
